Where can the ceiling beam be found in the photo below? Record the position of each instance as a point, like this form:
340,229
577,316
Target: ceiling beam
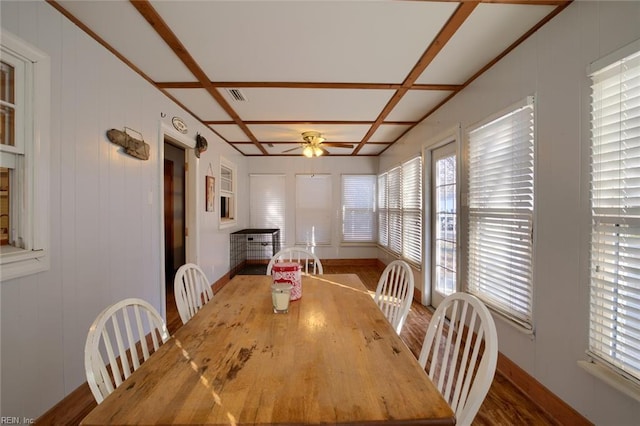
561,6
300,85
456,20
118,55
160,26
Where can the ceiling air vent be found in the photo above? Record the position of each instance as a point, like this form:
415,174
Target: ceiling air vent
236,95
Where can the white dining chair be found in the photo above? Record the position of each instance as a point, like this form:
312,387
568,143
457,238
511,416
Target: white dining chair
308,260
191,289
394,293
460,350
121,338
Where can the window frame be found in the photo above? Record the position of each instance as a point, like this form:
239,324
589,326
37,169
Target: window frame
383,212
34,170
392,213
370,210
440,239
227,222
322,209
268,209
616,208
503,214
412,211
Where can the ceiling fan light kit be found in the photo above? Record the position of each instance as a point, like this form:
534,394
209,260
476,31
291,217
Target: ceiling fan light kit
312,145
309,151
312,137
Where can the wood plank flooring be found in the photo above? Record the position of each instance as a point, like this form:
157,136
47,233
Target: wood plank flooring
504,405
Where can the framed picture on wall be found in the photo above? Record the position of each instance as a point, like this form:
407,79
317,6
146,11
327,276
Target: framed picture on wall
210,192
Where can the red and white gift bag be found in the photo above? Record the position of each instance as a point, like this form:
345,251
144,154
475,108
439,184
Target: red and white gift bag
288,272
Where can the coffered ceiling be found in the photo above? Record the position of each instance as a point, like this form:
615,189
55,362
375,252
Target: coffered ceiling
259,73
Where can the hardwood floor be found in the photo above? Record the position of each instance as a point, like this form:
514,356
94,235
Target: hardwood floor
504,405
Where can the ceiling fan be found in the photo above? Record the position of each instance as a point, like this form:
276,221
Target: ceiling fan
313,145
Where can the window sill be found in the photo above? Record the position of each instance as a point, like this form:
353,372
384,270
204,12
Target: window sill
613,379
225,223
398,256
16,263
528,330
358,244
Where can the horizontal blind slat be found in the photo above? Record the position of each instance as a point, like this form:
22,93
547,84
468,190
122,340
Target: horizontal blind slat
614,330
501,201
358,208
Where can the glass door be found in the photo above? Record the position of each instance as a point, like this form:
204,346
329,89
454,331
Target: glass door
444,223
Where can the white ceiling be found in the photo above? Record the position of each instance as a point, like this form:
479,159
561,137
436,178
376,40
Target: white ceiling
359,72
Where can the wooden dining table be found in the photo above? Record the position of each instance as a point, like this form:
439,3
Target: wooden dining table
332,359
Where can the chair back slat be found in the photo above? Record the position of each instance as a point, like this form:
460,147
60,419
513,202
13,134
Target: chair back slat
460,358
394,293
117,344
111,355
192,290
449,358
123,345
463,394
154,335
144,346
309,262
460,350
435,347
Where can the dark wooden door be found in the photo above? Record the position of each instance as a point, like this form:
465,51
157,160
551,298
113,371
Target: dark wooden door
169,223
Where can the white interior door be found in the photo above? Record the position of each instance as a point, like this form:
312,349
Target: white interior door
444,223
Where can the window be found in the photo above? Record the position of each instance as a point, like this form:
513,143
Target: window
359,208
615,209
267,196
501,205
412,211
227,193
394,210
444,214
24,161
383,211
313,209
400,211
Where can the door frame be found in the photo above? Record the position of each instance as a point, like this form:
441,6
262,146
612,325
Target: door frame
192,187
451,135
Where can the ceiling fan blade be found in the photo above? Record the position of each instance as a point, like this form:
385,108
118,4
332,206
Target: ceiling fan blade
292,149
338,144
324,151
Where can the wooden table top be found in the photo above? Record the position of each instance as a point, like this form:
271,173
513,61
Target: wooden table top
332,359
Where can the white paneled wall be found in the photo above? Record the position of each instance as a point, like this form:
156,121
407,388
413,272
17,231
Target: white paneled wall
335,166
106,220
106,237
552,65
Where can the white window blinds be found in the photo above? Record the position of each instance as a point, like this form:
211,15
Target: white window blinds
313,209
412,210
400,211
383,211
394,206
358,208
267,202
614,332
501,202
